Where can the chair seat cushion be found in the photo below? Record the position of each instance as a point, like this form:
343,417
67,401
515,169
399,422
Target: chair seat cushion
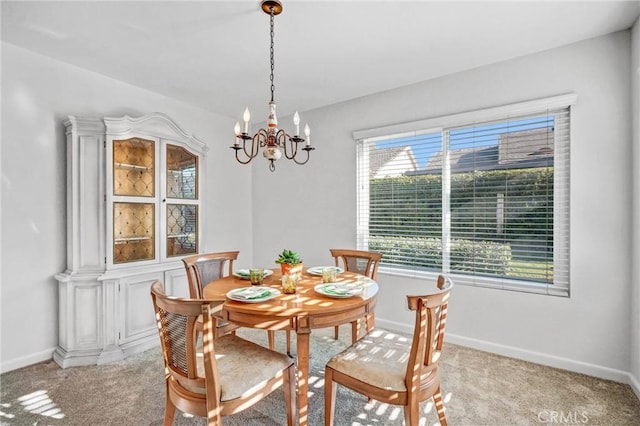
379,359
242,365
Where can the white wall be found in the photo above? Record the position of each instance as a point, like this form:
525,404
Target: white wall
312,208
38,93
635,299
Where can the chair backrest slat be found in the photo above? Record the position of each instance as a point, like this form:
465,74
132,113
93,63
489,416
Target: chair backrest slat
204,268
360,261
428,333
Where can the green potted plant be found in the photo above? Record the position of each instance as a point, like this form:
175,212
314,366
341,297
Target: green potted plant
290,262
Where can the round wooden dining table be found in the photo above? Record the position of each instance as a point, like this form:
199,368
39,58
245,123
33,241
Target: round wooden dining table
301,312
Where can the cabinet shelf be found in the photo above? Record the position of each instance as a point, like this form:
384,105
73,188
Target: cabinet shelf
180,235
124,240
131,167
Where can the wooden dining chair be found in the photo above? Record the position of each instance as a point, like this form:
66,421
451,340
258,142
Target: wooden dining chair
204,268
362,262
225,376
393,369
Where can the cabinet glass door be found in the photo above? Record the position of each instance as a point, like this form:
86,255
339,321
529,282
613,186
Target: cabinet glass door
182,205
134,167
182,229
182,173
133,232
134,175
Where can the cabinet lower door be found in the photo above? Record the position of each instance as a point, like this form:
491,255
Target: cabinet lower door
176,283
137,316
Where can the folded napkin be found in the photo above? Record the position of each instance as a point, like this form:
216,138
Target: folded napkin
341,289
318,269
252,293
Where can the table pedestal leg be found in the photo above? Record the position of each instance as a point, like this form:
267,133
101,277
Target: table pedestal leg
303,376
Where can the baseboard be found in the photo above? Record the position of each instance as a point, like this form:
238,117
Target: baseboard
141,345
542,358
76,358
395,326
527,355
634,382
25,361
81,358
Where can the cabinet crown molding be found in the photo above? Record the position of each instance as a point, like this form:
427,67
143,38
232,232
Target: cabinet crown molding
84,125
155,124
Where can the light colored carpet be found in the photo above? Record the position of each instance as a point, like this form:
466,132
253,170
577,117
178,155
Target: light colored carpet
479,389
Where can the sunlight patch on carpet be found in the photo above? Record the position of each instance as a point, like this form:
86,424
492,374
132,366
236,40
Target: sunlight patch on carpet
6,415
39,403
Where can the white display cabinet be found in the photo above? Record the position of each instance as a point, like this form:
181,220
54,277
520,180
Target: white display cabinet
134,205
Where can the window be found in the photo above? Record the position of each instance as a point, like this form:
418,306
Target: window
482,196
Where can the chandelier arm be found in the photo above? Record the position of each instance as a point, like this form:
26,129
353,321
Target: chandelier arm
308,149
248,158
244,148
281,137
289,146
249,154
256,143
263,138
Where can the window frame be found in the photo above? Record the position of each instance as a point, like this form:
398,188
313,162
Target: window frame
443,124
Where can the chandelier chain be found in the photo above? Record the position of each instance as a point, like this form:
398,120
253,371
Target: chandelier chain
273,87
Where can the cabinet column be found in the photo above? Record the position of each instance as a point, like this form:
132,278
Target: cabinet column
80,327
110,302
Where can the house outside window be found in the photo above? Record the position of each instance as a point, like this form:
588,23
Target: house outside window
482,196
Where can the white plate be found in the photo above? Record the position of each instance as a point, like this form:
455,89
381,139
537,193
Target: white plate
338,290
244,273
245,294
317,270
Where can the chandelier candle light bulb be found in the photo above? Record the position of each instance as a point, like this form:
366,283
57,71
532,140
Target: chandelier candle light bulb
274,141
236,131
296,121
246,117
307,133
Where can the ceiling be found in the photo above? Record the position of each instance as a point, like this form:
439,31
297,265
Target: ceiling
215,54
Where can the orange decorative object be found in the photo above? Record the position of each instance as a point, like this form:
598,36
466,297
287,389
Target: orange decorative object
288,269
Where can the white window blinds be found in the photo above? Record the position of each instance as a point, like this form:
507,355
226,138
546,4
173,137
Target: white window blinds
486,202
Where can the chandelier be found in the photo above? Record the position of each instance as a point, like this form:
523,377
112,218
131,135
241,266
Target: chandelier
274,141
